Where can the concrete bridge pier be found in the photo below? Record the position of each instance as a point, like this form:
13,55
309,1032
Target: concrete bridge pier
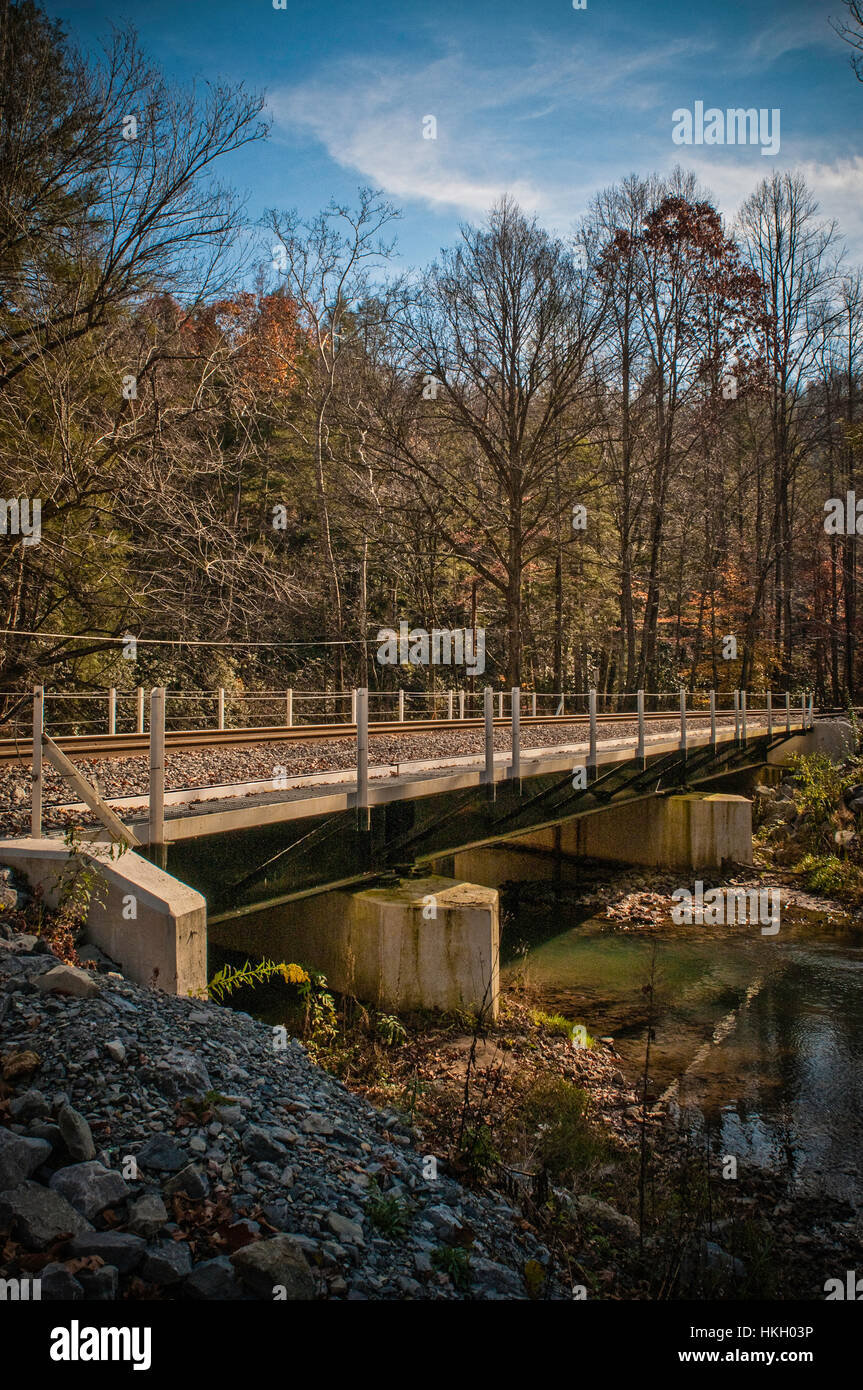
419,943
692,830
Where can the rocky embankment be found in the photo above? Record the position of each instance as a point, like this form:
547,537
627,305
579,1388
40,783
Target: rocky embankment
785,831
156,1147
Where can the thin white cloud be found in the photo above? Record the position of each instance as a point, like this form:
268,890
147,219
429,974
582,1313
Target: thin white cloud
806,29
839,189
486,140
490,140
837,185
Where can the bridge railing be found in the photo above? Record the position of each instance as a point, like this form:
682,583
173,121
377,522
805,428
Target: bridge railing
83,713
746,717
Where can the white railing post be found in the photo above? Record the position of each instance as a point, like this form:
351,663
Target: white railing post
713,719
362,723
803,713
461,704
500,704
221,707
640,751
156,828
591,757
559,711
683,721
353,707
401,707
811,709
38,729
788,712
139,710
737,716
112,711
488,716
449,704
743,717
533,705
768,700
289,708
515,718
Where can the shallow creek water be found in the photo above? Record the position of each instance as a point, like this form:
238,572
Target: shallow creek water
761,1038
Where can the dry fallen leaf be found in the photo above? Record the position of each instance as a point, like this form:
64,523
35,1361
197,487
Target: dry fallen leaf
18,1066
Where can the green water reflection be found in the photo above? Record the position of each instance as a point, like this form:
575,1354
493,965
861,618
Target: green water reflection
778,1074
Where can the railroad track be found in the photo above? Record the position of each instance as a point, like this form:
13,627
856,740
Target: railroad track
187,740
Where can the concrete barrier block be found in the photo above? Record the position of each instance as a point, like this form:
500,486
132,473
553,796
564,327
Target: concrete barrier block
164,944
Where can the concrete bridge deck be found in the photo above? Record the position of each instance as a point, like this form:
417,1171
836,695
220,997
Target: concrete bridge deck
197,812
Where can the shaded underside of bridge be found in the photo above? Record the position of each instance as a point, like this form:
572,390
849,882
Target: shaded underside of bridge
244,870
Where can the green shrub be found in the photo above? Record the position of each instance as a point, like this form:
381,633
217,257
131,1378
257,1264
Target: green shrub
819,785
556,1111
477,1150
825,873
455,1263
558,1026
387,1214
389,1030
321,1021
247,976
555,1024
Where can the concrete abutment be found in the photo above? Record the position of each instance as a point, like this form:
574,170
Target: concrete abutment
164,944
693,830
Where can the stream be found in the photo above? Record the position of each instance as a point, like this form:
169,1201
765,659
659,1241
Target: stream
759,1038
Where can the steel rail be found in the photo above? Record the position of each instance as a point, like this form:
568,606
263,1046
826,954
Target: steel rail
187,740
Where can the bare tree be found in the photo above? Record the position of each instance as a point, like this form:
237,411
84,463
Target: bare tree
326,266
107,189
489,399
614,226
852,33
793,253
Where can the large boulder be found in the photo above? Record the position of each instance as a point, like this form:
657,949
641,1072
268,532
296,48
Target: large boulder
90,1187
213,1279
166,1263
276,1269
67,979
32,1105
180,1074
76,1134
602,1216
261,1147
147,1214
37,1217
19,1157
191,1181
161,1155
118,1248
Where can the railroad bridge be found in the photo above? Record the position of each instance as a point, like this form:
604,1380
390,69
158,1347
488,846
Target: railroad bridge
385,877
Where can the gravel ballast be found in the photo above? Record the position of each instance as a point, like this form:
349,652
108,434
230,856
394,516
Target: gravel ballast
212,767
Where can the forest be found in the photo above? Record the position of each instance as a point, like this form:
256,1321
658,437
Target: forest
255,444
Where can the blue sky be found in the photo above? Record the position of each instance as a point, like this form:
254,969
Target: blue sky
530,97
